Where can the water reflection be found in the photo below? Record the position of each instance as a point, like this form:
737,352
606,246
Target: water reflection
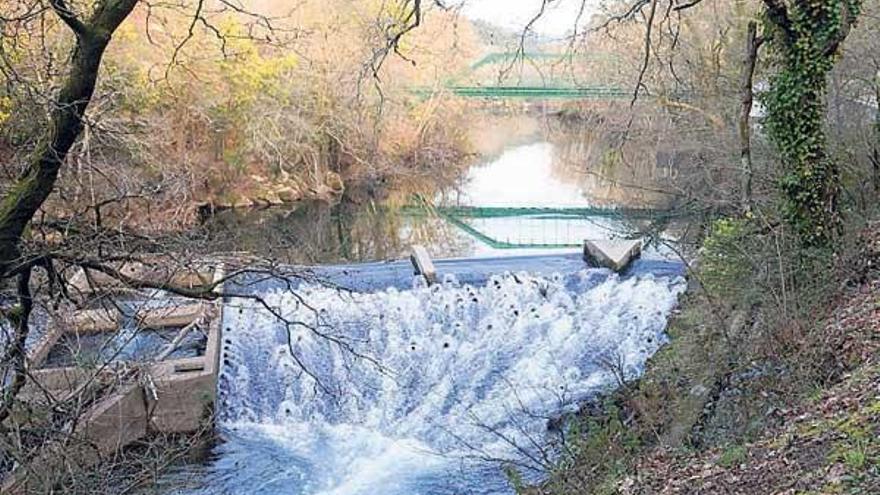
612,162
319,233
615,165
523,176
529,161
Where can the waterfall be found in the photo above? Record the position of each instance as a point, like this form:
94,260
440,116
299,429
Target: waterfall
429,390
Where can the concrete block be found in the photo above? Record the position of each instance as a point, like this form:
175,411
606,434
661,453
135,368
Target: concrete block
96,320
192,277
87,281
177,315
178,397
613,254
421,261
189,366
61,381
41,349
182,401
117,420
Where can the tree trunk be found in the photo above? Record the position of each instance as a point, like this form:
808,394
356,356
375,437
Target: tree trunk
807,36
875,148
15,352
26,197
746,100
811,183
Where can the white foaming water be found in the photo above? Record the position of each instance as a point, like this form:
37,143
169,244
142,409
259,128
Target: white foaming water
421,391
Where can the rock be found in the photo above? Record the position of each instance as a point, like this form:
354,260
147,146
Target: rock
321,192
334,182
241,203
699,391
288,194
272,198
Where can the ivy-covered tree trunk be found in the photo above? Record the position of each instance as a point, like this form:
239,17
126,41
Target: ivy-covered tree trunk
807,35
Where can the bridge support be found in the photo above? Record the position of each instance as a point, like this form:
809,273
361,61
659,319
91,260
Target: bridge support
421,261
613,254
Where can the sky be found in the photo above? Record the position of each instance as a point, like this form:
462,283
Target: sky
557,20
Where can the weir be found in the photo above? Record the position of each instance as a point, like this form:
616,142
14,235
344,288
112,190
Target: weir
375,382
138,363
362,379
370,378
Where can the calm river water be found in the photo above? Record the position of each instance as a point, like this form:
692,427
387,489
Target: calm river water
526,163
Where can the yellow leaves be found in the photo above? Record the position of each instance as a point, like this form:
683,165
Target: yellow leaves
391,12
148,95
251,75
247,73
126,33
14,50
5,109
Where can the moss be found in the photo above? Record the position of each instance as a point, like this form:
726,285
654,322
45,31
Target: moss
781,441
855,457
812,429
514,478
206,397
829,489
860,446
724,266
732,456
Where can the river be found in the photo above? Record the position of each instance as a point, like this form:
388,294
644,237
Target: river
526,162
429,390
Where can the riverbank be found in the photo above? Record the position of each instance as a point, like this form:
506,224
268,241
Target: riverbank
826,444
743,400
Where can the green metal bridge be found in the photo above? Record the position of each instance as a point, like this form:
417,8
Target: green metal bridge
528,211
551,90
534,92
526,227
537,227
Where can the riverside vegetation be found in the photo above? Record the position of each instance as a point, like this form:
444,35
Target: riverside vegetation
770,381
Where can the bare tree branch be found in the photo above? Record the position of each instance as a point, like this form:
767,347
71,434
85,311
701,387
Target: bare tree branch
69,17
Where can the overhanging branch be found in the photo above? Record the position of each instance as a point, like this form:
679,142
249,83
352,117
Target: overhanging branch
69,17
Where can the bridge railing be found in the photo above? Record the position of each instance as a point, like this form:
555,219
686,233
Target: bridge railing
533,92
537,227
